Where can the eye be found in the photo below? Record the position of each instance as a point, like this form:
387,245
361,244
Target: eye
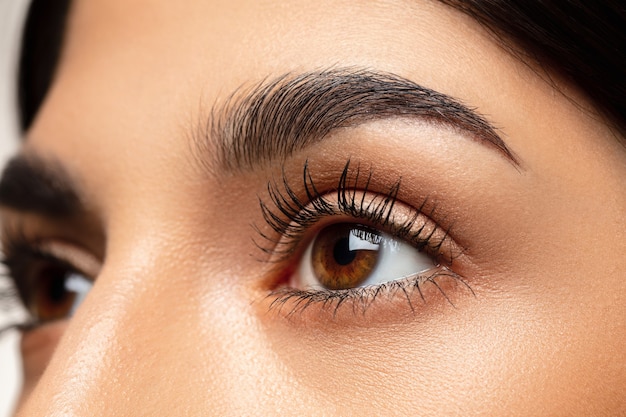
355,244
52,279
58,291
349,255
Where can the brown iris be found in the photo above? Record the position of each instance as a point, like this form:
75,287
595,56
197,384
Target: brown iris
345,255
51,300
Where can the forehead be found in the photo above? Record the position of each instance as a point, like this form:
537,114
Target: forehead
202,48
136,78
220,45
165,60
270,35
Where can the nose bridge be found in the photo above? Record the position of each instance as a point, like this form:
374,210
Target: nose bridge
146,329
170,323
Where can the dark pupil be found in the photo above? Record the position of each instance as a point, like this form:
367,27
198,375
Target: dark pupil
57,292
342,253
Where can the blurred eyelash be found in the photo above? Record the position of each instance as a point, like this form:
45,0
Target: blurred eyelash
11,306
291,219
18,252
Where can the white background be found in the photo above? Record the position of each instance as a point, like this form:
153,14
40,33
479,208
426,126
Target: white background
11,18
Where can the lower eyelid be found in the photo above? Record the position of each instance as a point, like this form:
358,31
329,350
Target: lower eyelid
371,306
37,347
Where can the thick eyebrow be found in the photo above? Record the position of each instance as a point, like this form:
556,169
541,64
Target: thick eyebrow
275,118
35,185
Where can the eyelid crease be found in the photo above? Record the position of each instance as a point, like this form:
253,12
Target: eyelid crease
351,200
80,259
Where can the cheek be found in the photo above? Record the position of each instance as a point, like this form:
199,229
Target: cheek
37,347
492,354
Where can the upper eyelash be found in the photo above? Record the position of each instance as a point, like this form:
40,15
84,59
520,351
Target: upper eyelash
294,217
14,243
12,304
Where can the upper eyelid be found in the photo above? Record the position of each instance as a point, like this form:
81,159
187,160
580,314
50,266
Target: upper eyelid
291,218
80,259
19,248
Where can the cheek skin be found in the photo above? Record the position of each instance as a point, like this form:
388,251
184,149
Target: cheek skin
492,354
174,325
37,347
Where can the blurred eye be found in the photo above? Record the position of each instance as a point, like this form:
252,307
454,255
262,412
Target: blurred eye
52,279
349,255
58,291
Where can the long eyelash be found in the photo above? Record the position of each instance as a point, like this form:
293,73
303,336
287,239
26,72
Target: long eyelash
290,218
18,251
11,305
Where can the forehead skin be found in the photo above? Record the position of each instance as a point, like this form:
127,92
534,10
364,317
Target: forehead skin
173,327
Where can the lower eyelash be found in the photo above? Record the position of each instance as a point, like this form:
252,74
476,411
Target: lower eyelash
291,218
361,298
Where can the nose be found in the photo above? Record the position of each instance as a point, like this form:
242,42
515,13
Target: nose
161,335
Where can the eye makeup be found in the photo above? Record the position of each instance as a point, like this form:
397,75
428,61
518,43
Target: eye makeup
296,215
50,275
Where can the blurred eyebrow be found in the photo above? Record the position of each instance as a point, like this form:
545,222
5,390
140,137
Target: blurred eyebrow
275,118
39,186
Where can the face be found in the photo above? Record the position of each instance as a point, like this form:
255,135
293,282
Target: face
316,208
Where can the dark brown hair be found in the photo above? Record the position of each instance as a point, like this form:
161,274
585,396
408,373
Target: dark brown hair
582,41
41,47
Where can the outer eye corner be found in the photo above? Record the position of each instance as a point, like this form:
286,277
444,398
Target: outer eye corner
350,243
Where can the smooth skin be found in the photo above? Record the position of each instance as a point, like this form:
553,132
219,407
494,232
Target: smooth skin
179,322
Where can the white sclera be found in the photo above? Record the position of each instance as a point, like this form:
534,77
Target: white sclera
79,285
396,260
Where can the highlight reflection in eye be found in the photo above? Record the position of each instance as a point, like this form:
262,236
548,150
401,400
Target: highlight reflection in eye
345,255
